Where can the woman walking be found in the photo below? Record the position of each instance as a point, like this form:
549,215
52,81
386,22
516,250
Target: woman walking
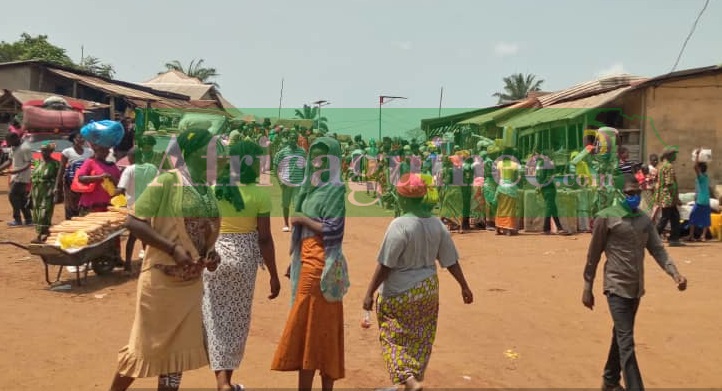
408,304
42,191
177,218
452,200
313,338
244,244
507,196
72,158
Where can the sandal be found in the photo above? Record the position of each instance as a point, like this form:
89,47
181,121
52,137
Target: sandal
238,387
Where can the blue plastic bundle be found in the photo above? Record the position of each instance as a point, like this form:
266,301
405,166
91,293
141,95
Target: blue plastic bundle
105,133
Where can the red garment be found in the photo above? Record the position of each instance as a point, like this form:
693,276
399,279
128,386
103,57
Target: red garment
641,179
303,142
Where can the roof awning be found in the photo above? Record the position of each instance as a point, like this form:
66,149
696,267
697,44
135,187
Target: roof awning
501,114
564,111
543,116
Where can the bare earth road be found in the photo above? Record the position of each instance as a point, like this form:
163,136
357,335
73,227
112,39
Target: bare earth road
527,300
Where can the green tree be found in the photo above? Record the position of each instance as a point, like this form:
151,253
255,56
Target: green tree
195,69
308,112
39,48
93,65
415,134
34,48
518,86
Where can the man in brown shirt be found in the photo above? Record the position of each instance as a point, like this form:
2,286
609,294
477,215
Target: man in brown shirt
622,233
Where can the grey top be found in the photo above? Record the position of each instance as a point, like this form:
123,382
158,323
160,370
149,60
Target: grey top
410,249
623,236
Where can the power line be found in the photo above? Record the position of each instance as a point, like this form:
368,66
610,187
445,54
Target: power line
694,26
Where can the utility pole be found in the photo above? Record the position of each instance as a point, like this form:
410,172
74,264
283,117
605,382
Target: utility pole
384,99
441,98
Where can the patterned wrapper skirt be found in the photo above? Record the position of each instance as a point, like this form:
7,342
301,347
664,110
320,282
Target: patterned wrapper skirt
228,297
506,212
407,324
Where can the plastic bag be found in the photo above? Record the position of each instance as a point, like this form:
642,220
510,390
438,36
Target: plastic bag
105,133
76,239
119,201
108,186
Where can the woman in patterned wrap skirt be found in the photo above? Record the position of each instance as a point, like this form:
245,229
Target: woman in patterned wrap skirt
245,242
408,304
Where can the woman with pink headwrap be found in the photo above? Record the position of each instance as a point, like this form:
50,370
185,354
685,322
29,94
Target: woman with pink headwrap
408,304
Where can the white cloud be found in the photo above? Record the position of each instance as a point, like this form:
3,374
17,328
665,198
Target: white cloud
614,70
503,49
403,45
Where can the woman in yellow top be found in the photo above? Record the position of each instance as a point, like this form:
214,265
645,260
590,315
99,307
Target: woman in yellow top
244,244
507,197
177,219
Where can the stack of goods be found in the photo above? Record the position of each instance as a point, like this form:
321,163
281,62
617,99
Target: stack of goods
54,113
90,229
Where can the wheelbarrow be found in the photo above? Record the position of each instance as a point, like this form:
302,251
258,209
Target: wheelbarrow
102,257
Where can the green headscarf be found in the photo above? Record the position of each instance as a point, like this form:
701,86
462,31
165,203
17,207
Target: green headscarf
331,183
192,140
325,203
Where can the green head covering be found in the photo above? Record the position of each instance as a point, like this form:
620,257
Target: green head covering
193,140
234,137
331,186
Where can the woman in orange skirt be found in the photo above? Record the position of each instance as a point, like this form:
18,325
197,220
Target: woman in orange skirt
313,338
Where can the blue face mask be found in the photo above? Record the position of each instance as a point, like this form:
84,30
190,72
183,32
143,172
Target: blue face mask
633,201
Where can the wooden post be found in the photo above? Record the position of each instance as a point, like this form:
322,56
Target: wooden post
75,89
643,127
111,109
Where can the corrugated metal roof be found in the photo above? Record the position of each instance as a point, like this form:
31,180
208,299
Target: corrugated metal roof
564,111
23,96
174,77
589,88
683,74
516,109
544,115
193,91
107,87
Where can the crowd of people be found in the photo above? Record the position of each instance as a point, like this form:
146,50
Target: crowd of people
204,242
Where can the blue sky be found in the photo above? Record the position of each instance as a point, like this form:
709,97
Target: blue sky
350,51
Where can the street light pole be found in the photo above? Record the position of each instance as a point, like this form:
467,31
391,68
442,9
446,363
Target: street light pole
319,104
381,102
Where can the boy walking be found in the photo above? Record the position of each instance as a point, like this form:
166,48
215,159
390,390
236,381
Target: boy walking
21,159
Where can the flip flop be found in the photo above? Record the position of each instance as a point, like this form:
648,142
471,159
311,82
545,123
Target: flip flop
238,387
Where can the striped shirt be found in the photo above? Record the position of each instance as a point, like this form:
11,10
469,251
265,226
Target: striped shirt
290,163
626,167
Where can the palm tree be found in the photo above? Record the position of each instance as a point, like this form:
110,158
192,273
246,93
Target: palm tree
518,86
308,112
195,69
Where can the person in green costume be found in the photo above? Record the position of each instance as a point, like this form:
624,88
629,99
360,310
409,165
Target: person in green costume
42,192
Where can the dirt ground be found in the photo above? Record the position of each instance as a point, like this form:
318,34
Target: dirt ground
527,300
